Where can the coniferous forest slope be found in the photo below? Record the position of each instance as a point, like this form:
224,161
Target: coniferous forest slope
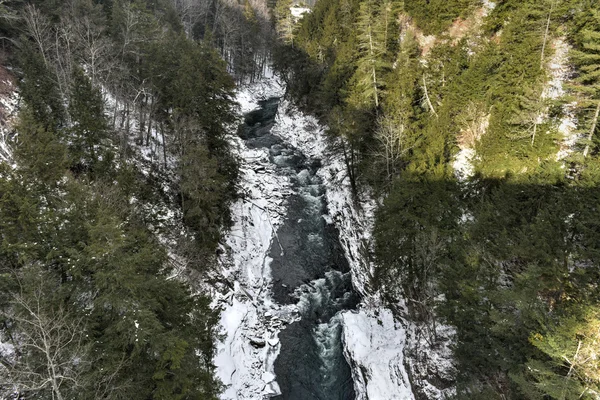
476,123
115,184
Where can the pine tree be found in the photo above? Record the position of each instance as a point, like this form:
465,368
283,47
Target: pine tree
39,90
89,128
284,21
572,345
372,49
588,82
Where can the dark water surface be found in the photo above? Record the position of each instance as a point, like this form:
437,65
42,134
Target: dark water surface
312,272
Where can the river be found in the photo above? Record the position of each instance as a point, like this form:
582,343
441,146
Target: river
308,269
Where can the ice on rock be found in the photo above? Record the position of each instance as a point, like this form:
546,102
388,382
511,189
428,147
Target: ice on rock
374,342
244,362
268,377
304,176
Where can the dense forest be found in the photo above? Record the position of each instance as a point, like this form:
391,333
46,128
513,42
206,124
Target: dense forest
116,191
473,123
507,253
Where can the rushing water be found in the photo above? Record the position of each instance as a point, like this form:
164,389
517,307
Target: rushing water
309,269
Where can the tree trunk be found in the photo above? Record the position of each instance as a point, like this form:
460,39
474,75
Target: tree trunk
592,129
372,52
127,121
150,116
427,96
164,144
142,117
349,167
546,36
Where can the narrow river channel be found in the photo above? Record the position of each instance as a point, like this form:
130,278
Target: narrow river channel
308,269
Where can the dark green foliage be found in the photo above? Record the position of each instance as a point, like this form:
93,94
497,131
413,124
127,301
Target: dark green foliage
43,153
88,134
509,258
79,216
195,102
146,335
519,265
417,221
38,89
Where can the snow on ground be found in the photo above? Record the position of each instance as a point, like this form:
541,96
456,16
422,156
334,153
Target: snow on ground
9,99
463,164
488,6
8,110
560,71
7,353
374,347
249,96
250,320
298,12
431,360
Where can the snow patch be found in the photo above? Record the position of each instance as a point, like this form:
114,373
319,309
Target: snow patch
8,111
374,343
298,12
429,350
250,321
250,95
560,71
463,164
488,6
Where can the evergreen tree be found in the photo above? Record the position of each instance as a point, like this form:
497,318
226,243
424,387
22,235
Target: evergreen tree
588,81
284,21
38,89
89,128
572,372
372,27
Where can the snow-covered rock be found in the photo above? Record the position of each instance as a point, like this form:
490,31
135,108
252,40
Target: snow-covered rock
353,219
250,320
374,345
374,341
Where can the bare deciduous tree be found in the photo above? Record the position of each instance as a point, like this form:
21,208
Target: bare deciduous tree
40,30
391,135
50,350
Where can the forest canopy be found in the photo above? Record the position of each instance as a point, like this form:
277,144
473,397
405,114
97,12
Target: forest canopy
487,173
120,169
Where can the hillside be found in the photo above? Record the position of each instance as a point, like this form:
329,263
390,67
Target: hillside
353,199
476,124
